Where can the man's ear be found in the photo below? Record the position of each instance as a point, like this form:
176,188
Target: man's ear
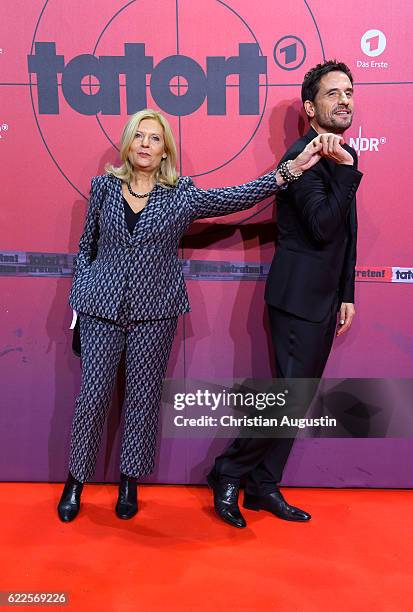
309,108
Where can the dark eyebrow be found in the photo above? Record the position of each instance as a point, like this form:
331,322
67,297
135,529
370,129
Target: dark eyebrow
150,133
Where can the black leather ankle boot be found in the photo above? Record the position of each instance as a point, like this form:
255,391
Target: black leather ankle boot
69,504
127,505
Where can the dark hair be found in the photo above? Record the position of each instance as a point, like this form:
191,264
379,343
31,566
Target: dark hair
311,83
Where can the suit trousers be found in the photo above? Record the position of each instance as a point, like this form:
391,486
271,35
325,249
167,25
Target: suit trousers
301,350
147,346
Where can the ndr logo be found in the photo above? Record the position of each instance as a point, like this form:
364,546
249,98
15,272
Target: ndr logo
361,143
194,85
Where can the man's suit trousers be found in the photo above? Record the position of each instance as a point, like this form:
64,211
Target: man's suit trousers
147,345
301,350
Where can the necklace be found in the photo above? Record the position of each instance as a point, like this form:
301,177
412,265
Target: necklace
138,195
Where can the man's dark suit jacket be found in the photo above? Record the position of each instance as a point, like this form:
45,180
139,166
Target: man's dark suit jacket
314,263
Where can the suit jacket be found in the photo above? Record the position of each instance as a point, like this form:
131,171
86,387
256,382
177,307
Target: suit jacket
315,260
110,259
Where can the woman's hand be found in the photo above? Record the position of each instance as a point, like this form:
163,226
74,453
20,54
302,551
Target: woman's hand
324,145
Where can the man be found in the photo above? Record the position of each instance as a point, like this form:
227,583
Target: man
311,278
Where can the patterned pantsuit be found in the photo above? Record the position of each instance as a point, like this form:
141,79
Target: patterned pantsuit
147,345
129,289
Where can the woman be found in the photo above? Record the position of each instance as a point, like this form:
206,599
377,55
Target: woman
128,288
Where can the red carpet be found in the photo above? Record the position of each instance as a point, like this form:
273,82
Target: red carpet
355,554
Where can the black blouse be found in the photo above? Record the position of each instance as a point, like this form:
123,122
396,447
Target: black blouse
131,217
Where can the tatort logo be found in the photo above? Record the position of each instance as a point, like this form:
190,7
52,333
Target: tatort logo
402,275
135,64
361,143
200,63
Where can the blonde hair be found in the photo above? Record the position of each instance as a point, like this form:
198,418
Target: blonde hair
166,175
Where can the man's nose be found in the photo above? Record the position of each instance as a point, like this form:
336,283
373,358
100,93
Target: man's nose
343,98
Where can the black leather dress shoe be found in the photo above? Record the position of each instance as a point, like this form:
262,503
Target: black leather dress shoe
69,504
275,503
127,505
226,500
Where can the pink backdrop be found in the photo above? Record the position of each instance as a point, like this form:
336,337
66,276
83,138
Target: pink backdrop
48,160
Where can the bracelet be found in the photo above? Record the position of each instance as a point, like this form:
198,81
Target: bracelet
285,171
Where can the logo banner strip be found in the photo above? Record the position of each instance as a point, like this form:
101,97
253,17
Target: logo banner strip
37,264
